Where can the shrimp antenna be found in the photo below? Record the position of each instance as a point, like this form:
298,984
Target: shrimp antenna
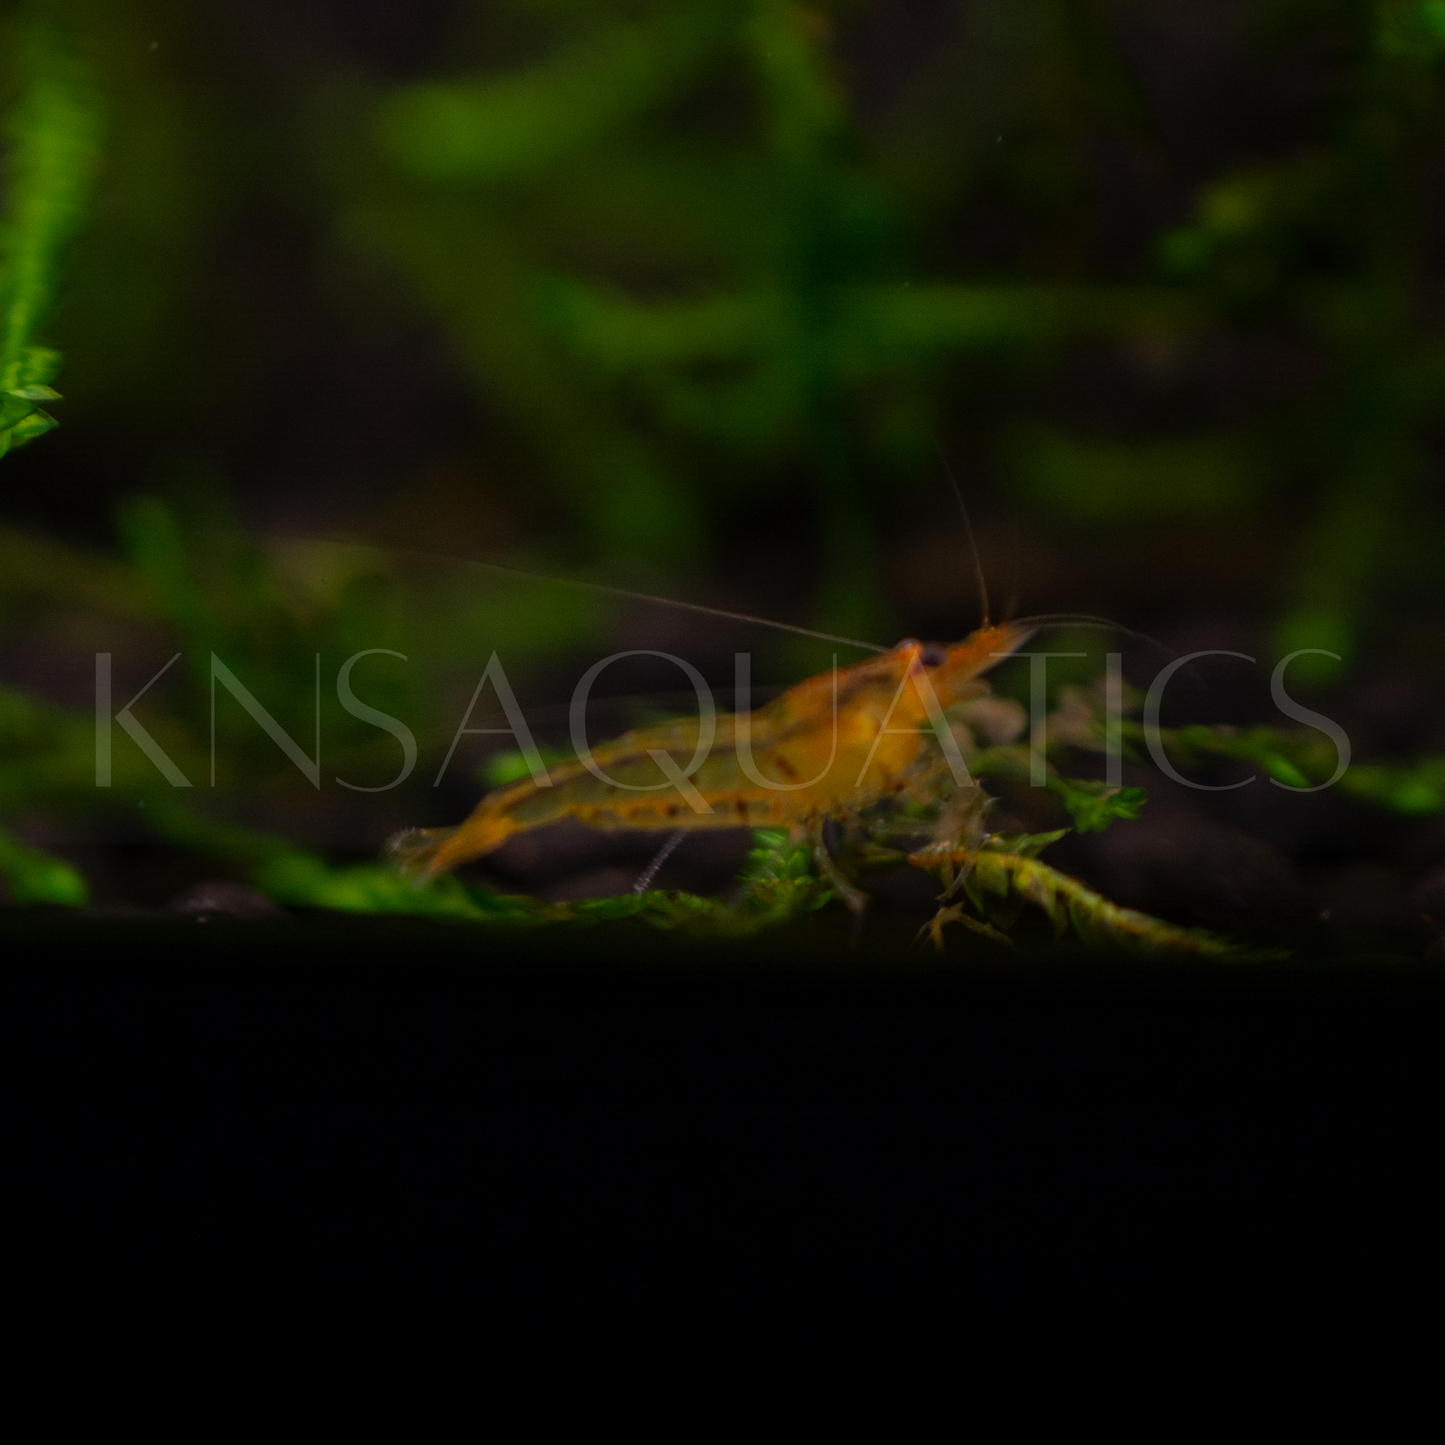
1067,619
679,605
968,528
673,602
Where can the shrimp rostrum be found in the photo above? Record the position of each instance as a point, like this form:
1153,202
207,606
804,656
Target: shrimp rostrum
827,748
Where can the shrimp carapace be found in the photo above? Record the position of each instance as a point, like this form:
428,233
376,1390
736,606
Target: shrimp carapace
829,746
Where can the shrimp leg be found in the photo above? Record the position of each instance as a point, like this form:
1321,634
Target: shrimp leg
644,879
855,898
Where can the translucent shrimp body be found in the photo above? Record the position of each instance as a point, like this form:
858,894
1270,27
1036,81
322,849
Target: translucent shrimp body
827,747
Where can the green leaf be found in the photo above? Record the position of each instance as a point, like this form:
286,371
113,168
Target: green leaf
1417,798
511,767
1093,805
52,132
306,881
1285,771
518,125
36,877
38,365
1411,30
661,910
30,427
1095,482
14,409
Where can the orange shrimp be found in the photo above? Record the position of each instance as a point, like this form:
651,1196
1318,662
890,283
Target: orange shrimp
829,746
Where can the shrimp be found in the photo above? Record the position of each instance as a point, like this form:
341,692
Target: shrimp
829,747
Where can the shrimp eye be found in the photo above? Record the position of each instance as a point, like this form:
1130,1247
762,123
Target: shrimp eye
933,655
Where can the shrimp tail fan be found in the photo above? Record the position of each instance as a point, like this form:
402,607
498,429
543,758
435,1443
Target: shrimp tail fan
418,853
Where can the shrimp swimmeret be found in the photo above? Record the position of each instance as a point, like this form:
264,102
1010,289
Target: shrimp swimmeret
829,747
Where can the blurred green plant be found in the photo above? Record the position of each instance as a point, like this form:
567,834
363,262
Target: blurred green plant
666,300
691,264
1300,758
672,249
1332,245
36,877
51,133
